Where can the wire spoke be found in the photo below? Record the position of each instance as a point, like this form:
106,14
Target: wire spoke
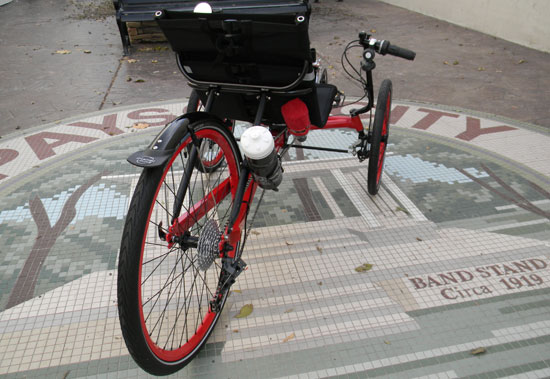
153,271
174,301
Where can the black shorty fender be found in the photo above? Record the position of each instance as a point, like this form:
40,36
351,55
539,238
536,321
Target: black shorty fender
166,142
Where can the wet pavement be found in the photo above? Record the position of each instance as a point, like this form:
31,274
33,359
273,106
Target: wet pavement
458,238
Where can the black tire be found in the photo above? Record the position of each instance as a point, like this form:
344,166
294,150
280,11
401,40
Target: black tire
211,159
321,77
164,292
193,105
379,137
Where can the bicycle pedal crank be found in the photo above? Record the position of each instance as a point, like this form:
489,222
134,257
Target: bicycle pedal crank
208,245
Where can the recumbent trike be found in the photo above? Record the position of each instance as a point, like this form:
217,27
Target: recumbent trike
188,220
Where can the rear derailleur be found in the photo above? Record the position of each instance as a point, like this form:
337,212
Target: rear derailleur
231,268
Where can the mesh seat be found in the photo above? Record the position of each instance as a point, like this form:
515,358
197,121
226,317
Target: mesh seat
246,47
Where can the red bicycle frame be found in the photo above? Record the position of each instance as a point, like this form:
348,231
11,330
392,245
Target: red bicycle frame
233,231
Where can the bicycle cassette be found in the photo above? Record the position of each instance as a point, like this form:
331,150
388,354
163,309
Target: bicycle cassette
208,245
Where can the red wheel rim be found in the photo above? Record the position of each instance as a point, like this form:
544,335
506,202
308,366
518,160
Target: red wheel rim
383,139
184,350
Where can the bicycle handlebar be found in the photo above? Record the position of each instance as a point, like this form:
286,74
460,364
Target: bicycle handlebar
398,51
385,47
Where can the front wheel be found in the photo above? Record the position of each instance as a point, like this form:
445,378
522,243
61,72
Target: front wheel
379,137
168,276
212,157
321,77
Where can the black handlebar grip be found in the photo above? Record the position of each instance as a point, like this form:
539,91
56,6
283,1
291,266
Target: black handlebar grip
401,52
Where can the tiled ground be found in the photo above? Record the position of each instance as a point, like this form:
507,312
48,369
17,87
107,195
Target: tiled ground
458,239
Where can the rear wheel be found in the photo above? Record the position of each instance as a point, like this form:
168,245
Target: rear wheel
321,77
379,137
167,276
194,104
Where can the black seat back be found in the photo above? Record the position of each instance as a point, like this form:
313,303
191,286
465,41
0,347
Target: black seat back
242,48
244,43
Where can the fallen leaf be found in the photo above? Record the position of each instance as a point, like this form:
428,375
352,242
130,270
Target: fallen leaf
131,60
418,239
387,342
235,330
237,291
256,233
478,351
156,48
290,337
289,310
373,30
140,125
87,51
481,68
128,79
320,283
140,81
445,62
364,267
154,61
62,51
289,243
245,311
521,61
455,63
331,67
401,209
319,249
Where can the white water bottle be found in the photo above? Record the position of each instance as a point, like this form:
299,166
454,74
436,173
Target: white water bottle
259,149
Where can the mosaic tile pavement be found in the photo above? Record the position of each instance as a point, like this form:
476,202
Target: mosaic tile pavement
458,239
